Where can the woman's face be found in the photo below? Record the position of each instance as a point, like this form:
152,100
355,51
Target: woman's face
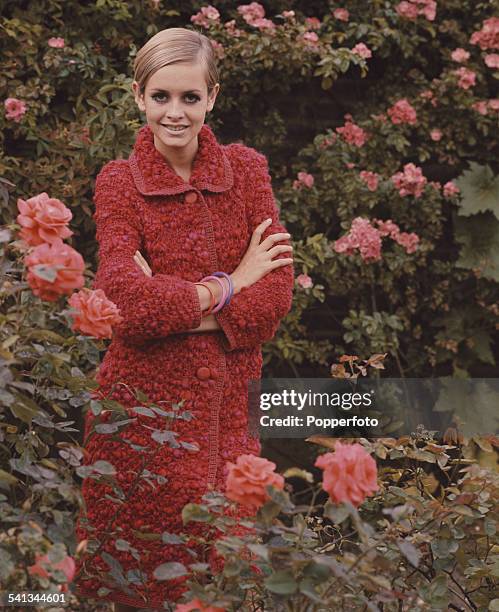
175,102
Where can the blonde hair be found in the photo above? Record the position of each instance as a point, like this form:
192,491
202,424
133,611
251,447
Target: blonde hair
172,46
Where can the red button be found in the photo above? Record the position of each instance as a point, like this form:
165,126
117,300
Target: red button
191,197
203,373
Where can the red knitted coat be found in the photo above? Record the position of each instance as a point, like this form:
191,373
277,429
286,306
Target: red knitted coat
185,231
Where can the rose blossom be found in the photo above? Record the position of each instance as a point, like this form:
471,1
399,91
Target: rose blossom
408,241
67,566
288,14
14,109
467,77
311,39
43,219
492,60
436,135
312,23
342,14
387,228
248,478
304,180
494,104
352,133
488,36
197,604
407,10
402,112
480,107
460,55
95,313
362,50
362,236
251,12
411,181
350,473
304,281
206,16
67,263
231,28
450,189
57,43
370,178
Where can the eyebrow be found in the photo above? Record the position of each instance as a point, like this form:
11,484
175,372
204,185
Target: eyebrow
156,90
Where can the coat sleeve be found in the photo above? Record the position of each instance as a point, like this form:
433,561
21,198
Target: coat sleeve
151,307
254,314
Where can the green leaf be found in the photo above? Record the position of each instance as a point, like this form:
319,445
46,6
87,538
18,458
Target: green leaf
479,190
410,552
168,571
281,583
195,512
479,239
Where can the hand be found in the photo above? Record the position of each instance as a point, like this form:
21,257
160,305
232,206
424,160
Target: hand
142,263
257,261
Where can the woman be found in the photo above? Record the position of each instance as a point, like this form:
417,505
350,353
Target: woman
179,209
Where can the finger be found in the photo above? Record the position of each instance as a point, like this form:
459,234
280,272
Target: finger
258,231
278,263
271,238
143,263
280,248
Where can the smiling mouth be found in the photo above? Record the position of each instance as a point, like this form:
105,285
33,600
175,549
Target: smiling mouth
175,128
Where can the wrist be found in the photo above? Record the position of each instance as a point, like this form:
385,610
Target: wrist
235,282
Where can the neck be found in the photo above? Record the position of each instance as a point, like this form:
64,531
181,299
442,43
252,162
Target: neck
180,159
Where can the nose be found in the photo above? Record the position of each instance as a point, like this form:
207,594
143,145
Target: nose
174,110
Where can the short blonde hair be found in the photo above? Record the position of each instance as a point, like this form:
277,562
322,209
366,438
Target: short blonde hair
172,46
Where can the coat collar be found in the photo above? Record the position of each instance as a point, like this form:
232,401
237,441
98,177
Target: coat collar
154,176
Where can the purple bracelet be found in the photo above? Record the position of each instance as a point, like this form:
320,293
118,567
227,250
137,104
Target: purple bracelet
225,292
231,284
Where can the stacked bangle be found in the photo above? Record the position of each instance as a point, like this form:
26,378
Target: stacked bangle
227,291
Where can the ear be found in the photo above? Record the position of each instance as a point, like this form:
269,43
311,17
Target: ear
212,97
138,98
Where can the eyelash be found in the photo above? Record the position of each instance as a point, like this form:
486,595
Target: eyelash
196,98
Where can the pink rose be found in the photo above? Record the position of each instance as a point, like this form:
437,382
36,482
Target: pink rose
411,181
15,109
311,39
362,50
402,112
352,133
206,16
408,241
362,236
492,60
488,36
67,566
460,55
312,23
43,219
480,107
450,189
231,28
95,313
494,104
342,14
370,178
304,281
251,12
197,604
60,258
407,10
388,228
467,77
304,180
288,14
350,473
436,135
247,479
57,43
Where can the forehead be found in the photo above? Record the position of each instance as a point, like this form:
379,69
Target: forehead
179,77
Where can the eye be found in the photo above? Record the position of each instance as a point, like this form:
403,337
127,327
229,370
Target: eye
156,96
192,98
